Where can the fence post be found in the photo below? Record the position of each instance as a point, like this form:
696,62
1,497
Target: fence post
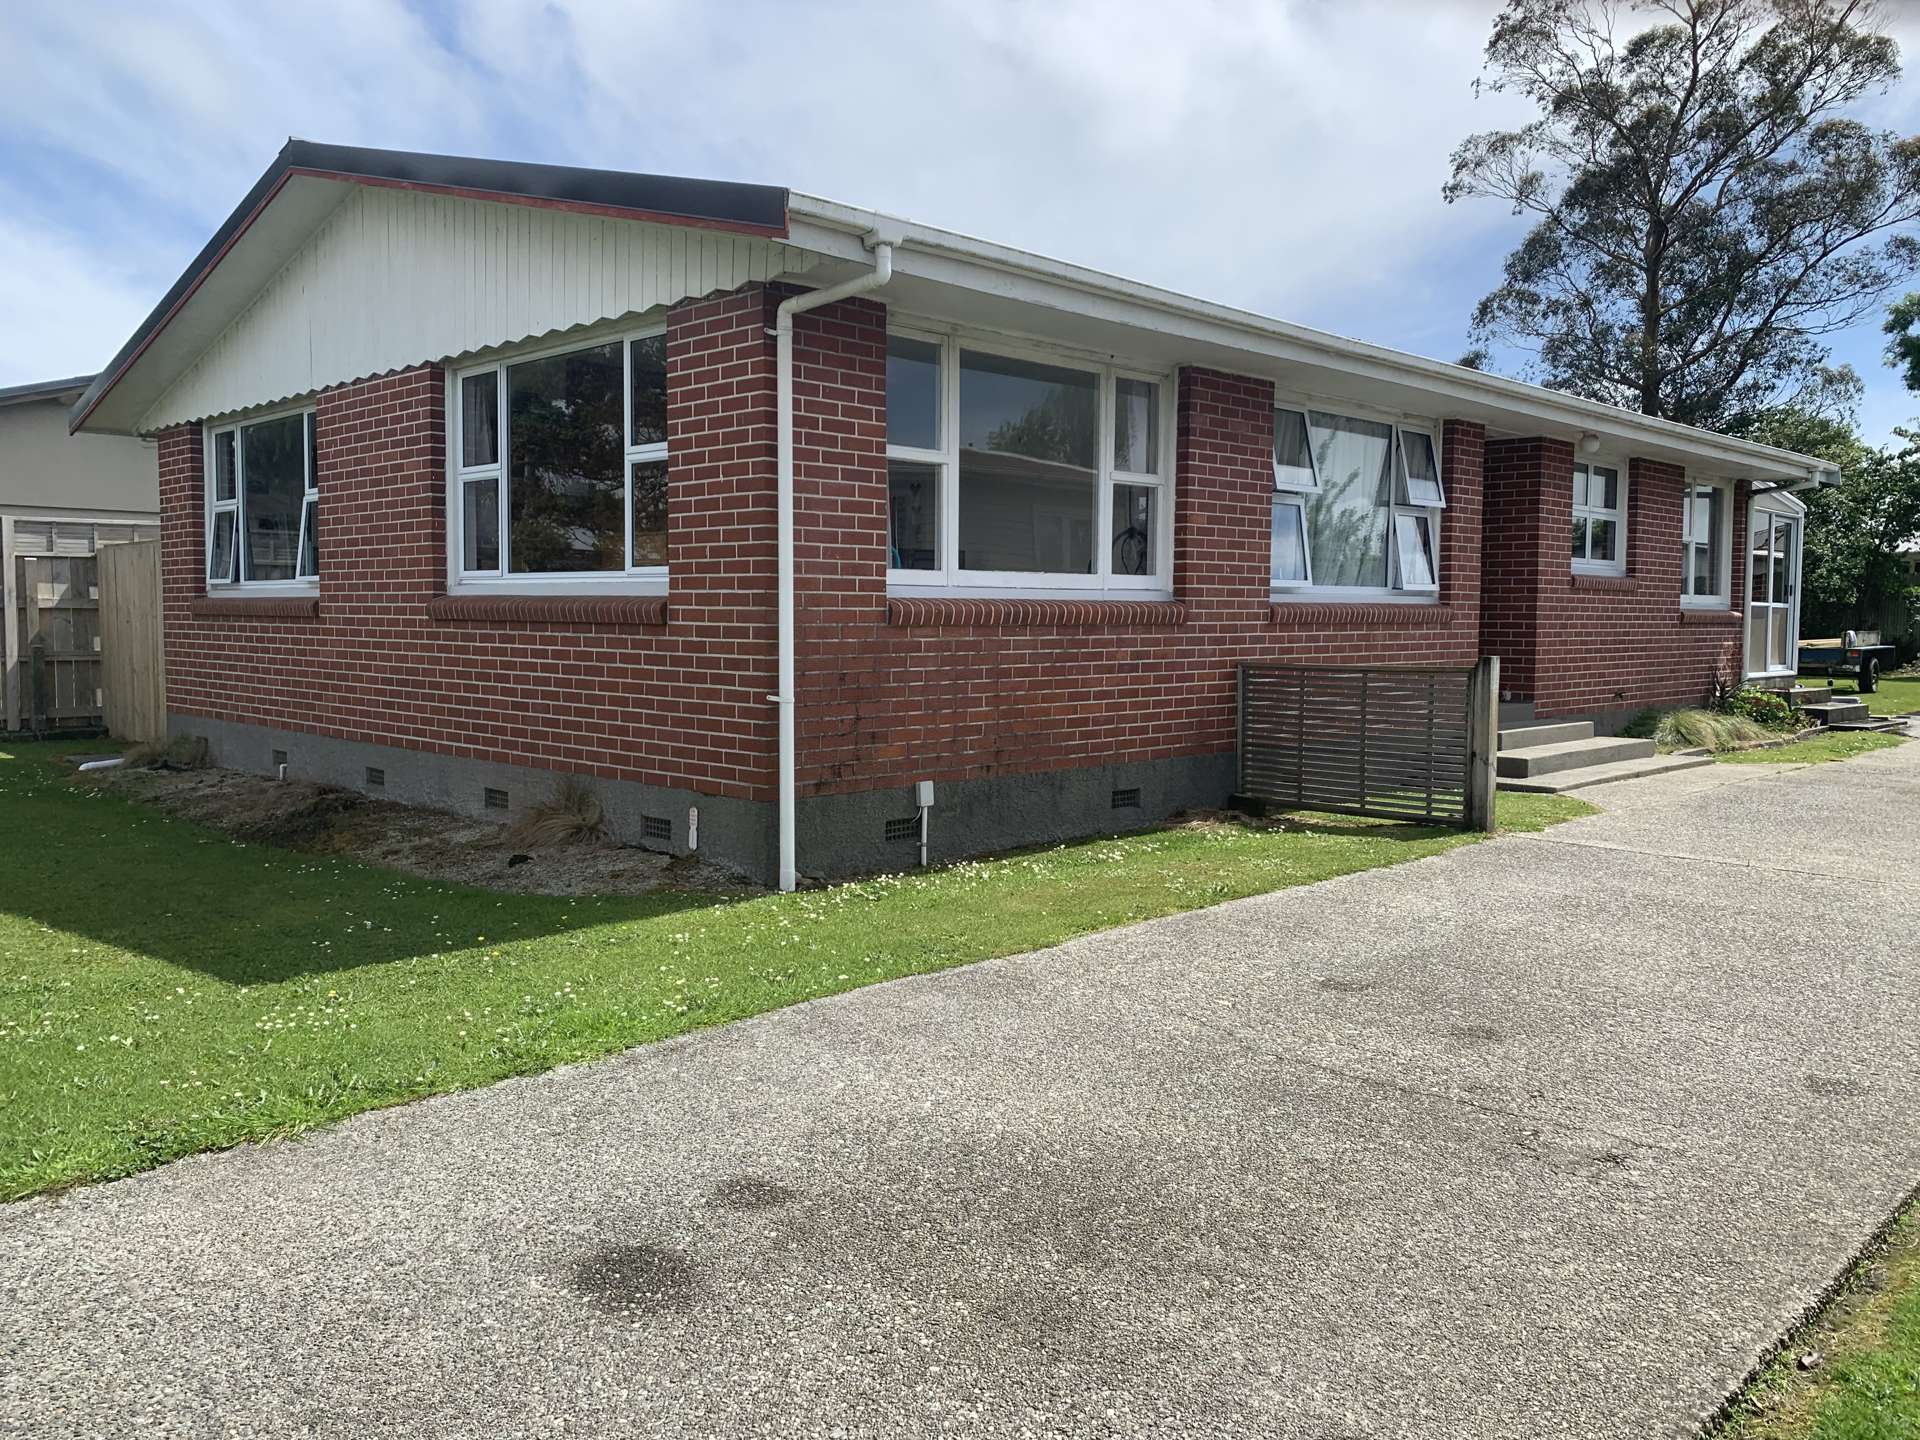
38,700
1483,741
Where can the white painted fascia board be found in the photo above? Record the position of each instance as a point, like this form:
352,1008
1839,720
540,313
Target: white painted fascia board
94,515
1780,500
946,257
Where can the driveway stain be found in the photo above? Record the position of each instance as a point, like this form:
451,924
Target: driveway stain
1475,1034
647,1279
1837,1087
750,1192
1339,985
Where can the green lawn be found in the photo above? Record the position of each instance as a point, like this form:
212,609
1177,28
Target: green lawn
164,989
1895,695
1841,746
1867,1384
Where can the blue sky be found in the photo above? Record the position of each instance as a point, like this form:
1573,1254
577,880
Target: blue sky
1286,157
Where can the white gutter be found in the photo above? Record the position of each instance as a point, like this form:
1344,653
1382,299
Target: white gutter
783,364
948,257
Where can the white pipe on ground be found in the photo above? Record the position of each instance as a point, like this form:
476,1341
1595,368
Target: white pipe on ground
783,365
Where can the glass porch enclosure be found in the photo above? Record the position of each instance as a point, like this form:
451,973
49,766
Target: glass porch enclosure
1773,587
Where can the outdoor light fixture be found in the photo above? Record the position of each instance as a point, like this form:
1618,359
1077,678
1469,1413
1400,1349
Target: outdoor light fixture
1590,444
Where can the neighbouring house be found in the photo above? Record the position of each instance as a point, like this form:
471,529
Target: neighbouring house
472,475
62,496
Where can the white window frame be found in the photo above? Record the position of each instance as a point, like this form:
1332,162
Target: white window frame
1721,599
634,579
1420,516
945,460
1288,484
1294,499
309,500
1286,491
1618,565
1779,510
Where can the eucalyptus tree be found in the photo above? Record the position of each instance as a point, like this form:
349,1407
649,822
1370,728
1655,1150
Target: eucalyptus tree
1704,208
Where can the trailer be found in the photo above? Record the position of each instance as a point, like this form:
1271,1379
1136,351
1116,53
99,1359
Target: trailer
1858,653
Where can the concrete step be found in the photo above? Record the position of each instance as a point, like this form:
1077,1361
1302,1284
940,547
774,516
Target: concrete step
1520,737
1516,712
1836,712
1561,781
1809,694
1887,724
1536,760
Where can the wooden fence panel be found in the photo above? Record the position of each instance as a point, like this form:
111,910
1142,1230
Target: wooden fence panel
57,600
133,676
1401,744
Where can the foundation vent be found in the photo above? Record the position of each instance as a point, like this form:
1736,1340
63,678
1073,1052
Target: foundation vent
376,777
279,758
906,829
656,827
1127,799
493,799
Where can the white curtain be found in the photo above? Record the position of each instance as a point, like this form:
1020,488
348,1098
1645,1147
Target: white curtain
1347,520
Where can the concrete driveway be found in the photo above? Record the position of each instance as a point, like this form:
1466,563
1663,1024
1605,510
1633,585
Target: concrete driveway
1547,1137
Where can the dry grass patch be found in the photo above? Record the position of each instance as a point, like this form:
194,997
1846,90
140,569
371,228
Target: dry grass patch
572,813
1708,730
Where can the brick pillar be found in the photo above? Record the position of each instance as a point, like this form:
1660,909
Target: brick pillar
1462,466
1653,525
183,540
840,465
840,534
1527,517
721,519
382,452
1223,473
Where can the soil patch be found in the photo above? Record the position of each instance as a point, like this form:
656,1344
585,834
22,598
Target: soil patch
320,819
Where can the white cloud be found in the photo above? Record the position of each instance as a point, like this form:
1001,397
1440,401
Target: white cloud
186,104
1286,156
60,312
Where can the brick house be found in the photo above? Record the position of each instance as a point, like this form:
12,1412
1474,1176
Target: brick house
472,473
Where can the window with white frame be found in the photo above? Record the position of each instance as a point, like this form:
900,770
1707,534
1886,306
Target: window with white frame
1599,520
263,502
561,463
1356,504
1705,566
1012,469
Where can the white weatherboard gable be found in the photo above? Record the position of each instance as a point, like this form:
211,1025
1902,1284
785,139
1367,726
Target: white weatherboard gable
395,278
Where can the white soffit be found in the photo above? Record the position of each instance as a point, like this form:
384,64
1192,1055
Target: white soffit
980,285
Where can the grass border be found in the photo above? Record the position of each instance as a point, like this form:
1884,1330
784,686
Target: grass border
1052,894
1715,1425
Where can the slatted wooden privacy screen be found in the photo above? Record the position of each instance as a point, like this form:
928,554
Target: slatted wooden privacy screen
1404,744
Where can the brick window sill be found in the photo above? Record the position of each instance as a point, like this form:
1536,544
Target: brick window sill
265,607
629,610
915,612
1311,615
1606,584
1690,616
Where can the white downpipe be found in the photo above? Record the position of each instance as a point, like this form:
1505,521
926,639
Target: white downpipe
783,365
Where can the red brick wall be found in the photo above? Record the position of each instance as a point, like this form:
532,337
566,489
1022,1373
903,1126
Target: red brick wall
889,692
1587,644
581,686
946,690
